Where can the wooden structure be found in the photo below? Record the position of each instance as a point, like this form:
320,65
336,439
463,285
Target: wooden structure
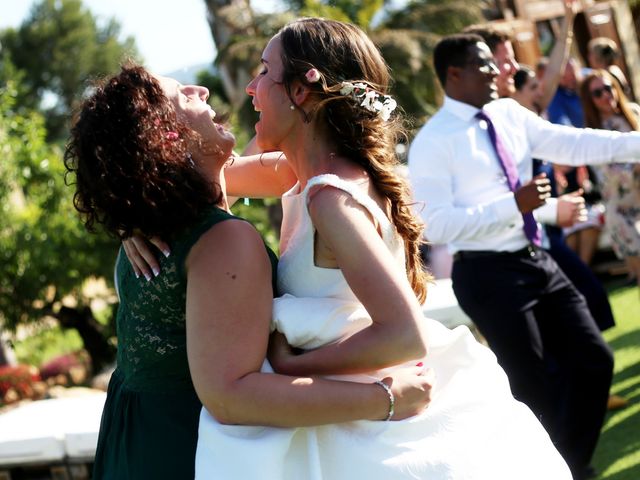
532,20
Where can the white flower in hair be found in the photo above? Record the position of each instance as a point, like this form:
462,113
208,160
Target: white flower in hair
388,106
369,99
347,88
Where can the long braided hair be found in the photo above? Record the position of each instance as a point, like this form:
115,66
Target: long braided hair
341,53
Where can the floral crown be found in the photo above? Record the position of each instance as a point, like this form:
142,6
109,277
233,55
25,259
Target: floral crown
366,96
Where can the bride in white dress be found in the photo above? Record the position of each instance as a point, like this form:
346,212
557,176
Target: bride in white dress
473,428
349,283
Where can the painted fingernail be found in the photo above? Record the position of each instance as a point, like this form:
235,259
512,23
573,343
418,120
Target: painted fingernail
156,271
147,276
166,253
136,274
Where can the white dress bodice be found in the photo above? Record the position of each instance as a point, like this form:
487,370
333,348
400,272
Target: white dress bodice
297,273
316,305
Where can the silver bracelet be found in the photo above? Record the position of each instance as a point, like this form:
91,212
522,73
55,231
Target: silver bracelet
392,399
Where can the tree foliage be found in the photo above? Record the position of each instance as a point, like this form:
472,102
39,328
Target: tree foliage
437,17
408,53
45,253
46,256
61,46
407,36
361,12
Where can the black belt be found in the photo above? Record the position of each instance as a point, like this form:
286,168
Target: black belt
528,251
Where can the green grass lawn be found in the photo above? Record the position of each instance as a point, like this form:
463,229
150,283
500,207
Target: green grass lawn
617,456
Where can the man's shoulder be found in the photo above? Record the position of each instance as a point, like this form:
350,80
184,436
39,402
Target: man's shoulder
502,104
505,110
440,122
442,114
431,137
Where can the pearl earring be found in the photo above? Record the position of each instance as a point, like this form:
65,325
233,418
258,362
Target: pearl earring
292,107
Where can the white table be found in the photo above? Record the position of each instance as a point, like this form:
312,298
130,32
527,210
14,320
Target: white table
55,430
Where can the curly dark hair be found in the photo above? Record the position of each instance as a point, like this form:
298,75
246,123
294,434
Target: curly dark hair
342,52
128,153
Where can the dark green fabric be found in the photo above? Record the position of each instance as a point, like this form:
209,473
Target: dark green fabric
149,426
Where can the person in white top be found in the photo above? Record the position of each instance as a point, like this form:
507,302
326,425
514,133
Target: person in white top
475,179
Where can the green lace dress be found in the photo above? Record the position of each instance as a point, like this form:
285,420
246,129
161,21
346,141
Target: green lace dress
149,427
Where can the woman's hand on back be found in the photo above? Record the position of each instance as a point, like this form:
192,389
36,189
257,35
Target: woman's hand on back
141,255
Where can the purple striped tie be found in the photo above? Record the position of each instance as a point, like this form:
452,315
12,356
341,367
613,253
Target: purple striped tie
531,229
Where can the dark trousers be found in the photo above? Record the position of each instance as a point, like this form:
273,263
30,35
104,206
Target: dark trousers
584,280
530,312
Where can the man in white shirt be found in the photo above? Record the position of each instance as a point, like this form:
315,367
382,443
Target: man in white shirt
463,169
570,208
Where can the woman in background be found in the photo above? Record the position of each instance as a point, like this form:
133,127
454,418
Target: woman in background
606,106
603,53
528,94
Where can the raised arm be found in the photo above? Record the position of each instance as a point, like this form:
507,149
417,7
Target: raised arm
396,334
559,55
229,300
259,174
577,146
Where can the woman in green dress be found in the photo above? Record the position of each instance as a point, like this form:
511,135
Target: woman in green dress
148,156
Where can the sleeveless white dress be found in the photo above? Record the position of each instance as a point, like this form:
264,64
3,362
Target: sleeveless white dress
473,428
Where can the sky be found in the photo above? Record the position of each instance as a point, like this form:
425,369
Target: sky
170,34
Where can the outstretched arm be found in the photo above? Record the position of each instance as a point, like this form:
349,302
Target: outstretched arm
559,56
258,174
396,334
229,300
576,146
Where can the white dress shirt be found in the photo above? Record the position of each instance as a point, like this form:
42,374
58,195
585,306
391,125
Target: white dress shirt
458,183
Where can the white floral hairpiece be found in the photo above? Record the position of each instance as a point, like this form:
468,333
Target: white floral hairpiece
372,100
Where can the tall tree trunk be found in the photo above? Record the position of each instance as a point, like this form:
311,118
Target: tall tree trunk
229,18
6,354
